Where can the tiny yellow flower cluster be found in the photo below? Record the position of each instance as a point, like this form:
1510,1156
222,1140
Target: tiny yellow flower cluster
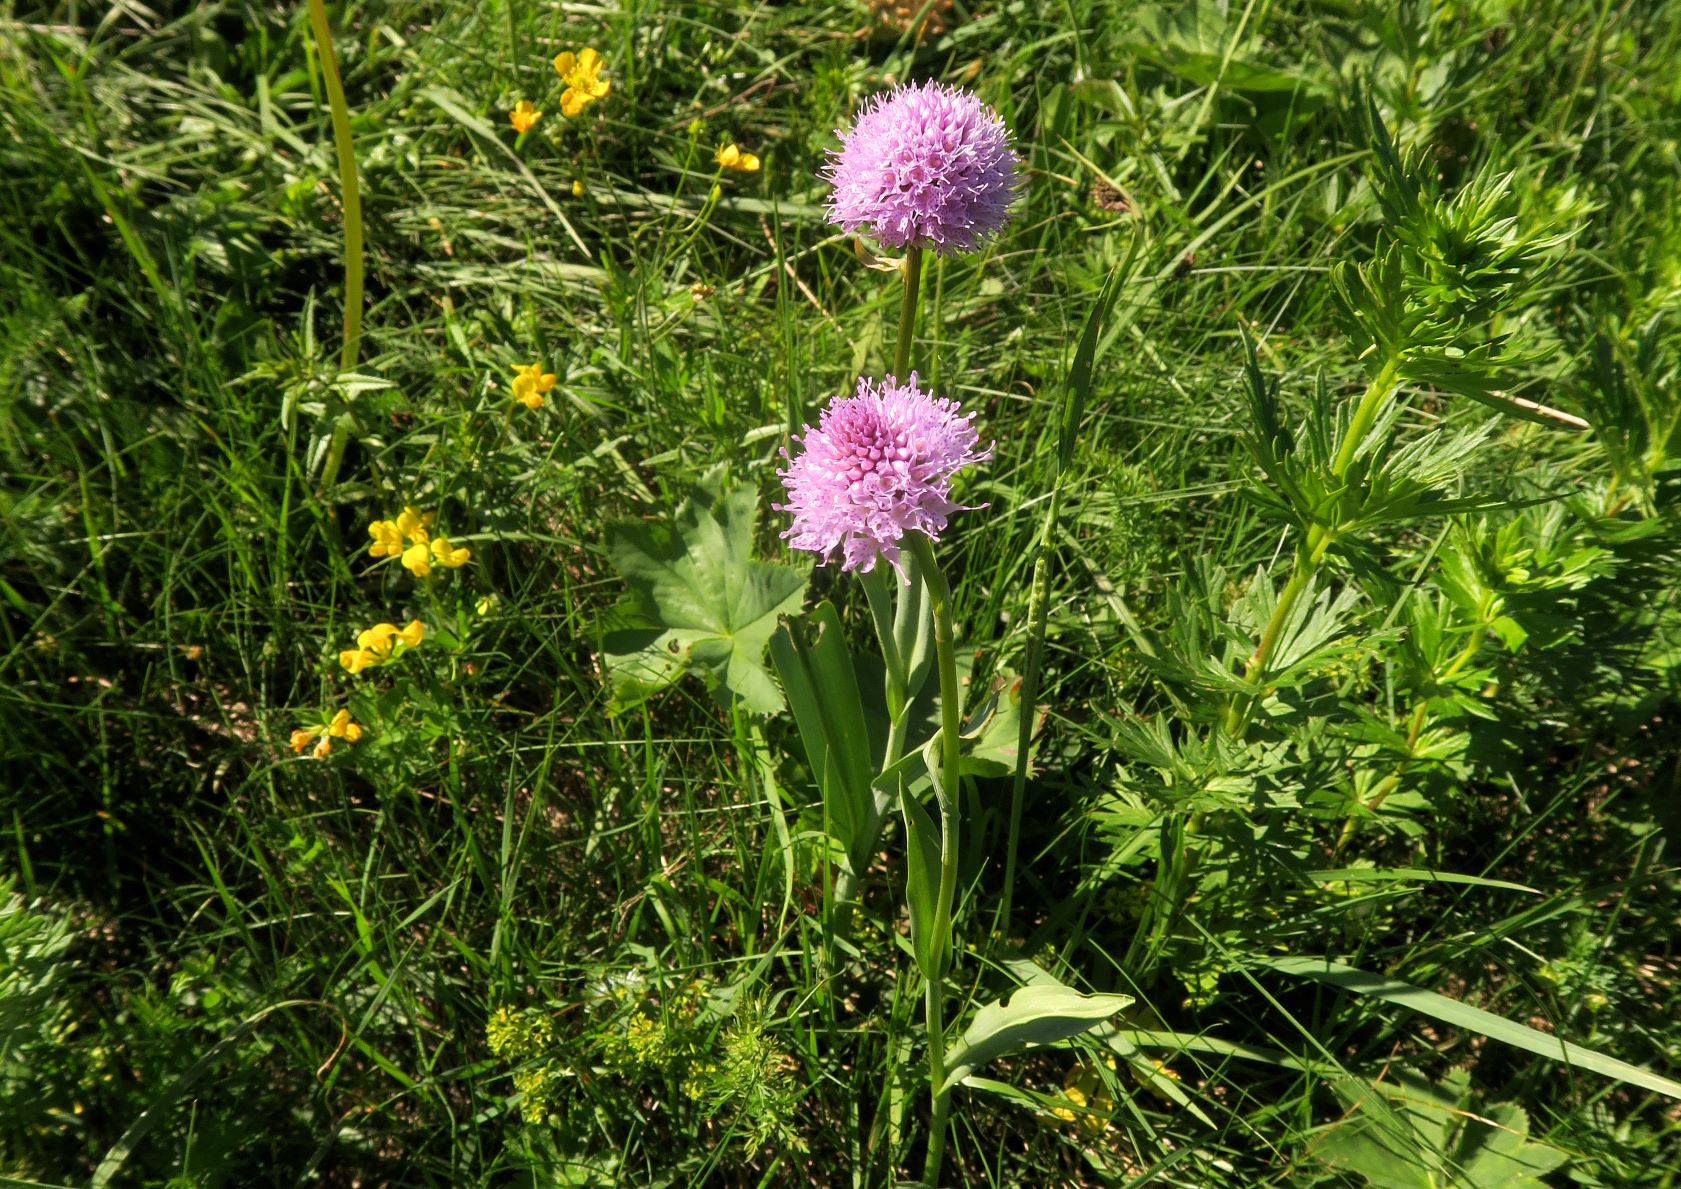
581,73
382,644
340,727
530,383
409,537
731,157
524,116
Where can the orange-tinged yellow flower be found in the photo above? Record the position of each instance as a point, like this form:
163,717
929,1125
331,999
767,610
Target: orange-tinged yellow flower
447,555
731,157
524,116
341,727
387,539
530,383
581,73
416,560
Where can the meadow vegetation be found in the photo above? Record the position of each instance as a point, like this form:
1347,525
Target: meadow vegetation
418,742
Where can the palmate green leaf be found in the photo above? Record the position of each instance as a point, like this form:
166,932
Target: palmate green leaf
1038,1015
1474,1019
698,601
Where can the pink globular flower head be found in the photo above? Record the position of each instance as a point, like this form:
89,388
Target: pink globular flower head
878,465
926,165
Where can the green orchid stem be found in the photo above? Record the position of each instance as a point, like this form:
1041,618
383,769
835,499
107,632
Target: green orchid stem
945,796
352,199
912,269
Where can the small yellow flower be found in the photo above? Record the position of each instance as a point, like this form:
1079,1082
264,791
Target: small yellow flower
343,727
416,560
731,157
323,748
447,555
582,75
524,116
381,644
530,383
354,660
387,539
577,187
413,525
303,737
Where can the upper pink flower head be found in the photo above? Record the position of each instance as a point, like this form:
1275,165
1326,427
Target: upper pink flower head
924,164
878,465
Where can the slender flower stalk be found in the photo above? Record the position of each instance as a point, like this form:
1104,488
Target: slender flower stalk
352,200
945,797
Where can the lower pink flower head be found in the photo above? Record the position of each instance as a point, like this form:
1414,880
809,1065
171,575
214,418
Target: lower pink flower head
878,465
924,164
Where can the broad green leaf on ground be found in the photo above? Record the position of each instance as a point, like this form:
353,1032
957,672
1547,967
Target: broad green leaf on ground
1037,1015
698,601
1408,1134
1474,1019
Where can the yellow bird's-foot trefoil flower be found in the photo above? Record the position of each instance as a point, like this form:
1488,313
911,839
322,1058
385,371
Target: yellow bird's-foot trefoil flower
447,555
731,157
340,726
530,383
387,539
417,560
381,644
524,117
581,72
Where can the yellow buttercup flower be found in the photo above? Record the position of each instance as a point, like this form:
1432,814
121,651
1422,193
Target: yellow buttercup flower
447,555
416,560
524,116
731,157
577,187
530,383
582,75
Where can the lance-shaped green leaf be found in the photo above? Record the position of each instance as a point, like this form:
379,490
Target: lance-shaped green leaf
1032,1016
817,674
1473,1019
930,934
698,601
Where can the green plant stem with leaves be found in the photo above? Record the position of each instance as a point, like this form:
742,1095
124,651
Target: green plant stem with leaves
352,199
946,782
1311,549
1317,540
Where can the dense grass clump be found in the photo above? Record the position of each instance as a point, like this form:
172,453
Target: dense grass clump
1331,366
